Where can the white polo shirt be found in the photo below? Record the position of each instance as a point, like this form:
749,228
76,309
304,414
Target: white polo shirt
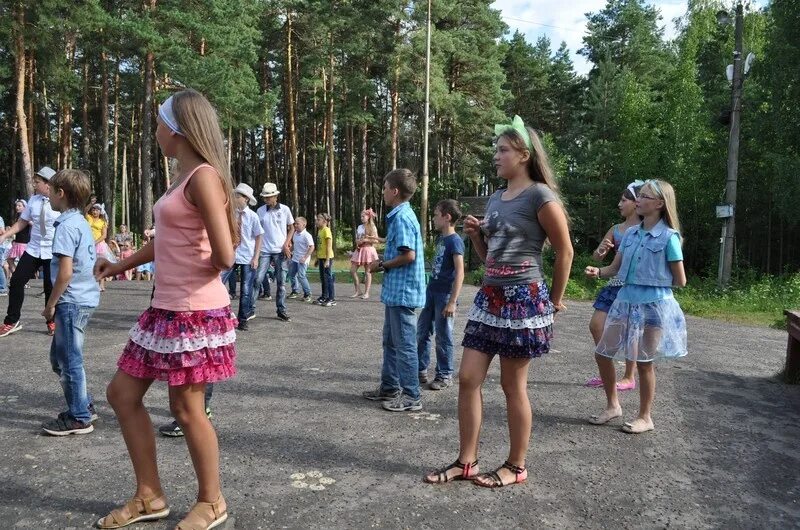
41,245
275,222
249,230
301,242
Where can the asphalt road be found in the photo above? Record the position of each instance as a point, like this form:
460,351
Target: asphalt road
301,449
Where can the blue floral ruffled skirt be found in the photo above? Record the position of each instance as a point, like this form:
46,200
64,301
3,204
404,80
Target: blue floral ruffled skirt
511,321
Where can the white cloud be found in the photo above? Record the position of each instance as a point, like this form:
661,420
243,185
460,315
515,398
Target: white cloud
565,20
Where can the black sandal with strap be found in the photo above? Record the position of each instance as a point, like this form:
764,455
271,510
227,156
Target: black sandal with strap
468,472
520,476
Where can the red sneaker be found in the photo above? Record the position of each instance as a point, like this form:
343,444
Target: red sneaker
8,329
51,328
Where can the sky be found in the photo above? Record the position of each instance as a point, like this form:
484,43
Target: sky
565,20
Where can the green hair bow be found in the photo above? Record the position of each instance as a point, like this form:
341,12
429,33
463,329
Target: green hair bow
516,125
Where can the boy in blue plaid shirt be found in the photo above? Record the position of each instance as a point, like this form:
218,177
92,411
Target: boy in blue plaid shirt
403,291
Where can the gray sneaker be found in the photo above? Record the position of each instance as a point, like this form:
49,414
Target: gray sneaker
380,395
403,403
440,383
423,377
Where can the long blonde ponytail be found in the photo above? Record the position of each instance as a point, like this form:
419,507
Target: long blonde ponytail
199,123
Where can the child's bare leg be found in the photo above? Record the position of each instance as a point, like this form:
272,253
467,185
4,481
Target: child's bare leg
367,281
356,282
474,365
609,376
125,395
187,404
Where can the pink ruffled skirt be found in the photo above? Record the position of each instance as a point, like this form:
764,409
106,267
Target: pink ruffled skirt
181,348
364,255
17,250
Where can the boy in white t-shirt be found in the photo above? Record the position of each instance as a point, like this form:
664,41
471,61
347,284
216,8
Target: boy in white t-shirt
302,248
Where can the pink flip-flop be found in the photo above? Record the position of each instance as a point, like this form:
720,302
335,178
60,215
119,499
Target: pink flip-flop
594,382
622,387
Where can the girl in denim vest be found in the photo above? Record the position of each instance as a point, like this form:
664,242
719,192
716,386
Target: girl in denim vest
645,322
607,295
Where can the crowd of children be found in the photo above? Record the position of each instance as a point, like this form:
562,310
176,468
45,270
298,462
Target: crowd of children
208,234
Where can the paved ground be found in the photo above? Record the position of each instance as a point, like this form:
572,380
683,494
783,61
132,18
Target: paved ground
725,453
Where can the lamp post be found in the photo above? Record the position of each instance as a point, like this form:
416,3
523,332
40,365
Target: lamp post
728,210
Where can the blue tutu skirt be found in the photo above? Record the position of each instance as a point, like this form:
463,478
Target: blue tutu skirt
644,332
511,321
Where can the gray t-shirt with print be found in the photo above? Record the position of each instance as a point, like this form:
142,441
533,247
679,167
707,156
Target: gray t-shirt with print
515,237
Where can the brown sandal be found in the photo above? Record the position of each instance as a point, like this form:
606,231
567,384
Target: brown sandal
520,476
468,472
197,518
138,510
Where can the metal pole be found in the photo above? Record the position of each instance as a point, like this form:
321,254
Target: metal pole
424,213
733,149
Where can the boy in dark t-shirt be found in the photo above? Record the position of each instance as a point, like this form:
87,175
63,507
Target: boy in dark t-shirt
441,297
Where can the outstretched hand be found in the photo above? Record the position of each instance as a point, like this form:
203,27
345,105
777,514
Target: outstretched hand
103,269
472,226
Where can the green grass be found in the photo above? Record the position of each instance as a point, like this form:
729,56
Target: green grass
752,298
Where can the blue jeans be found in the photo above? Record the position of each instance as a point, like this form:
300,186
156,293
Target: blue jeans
400,363
66,357
231,284
280,277
247,304
432,320
3,279
326,279
299,278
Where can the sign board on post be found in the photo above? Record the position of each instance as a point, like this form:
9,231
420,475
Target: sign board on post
724,211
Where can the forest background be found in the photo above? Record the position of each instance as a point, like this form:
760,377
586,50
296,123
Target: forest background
324,97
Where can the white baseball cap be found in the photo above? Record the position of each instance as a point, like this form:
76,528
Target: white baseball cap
46,172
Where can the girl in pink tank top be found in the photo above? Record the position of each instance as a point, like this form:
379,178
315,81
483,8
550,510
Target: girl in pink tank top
187,336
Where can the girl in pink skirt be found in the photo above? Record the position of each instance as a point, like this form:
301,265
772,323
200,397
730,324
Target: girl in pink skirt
20,240
365,253
187,336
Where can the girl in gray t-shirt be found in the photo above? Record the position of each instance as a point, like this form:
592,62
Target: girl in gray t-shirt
513,312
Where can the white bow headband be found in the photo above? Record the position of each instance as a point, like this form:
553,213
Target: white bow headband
167,115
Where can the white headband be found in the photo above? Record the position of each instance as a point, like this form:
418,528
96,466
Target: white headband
167,115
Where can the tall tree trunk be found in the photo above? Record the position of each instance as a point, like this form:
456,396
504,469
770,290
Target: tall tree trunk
267,141
315,157
351,176
364,160
115,165
85,116
290,111
253,159
105,166
331,161
22,122
395,96
31,114
146,118
124,186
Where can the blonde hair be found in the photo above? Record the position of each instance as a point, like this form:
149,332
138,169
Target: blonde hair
369,227
199,124
325,217
666,193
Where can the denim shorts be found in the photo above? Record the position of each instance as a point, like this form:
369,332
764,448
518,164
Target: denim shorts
605,299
